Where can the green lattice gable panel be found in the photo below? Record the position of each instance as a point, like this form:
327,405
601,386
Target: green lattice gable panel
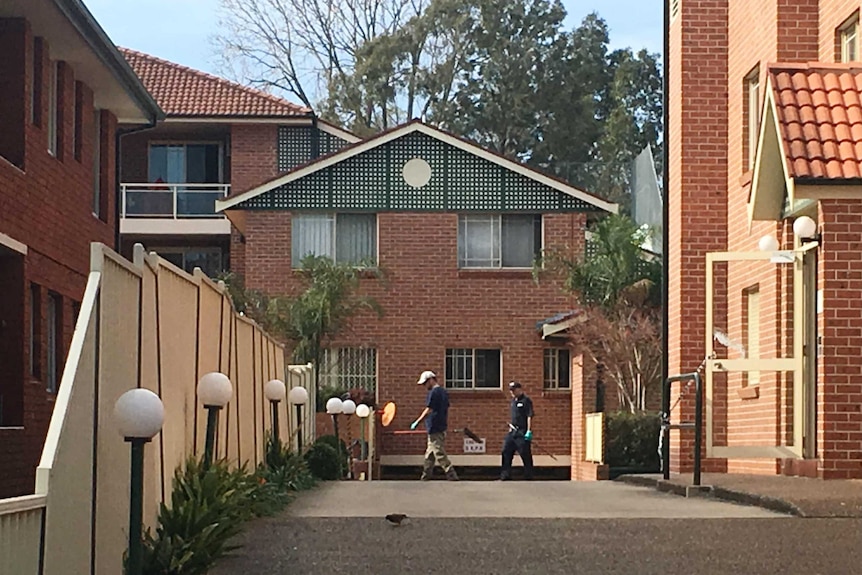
296,145
459,181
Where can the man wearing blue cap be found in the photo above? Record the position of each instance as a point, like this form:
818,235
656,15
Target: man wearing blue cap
519,436
435,414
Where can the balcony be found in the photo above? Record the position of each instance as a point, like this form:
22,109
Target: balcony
167,209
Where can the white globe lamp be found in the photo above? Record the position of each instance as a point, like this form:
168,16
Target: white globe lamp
274,390
215,389
768,244
804,227
334,406
363,410
139,414
348,407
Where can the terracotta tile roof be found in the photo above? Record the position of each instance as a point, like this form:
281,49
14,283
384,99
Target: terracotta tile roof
820,118
182,91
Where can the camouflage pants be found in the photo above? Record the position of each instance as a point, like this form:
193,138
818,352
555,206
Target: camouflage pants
436,453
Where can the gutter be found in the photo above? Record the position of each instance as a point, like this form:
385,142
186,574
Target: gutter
93,34
665,220
118,165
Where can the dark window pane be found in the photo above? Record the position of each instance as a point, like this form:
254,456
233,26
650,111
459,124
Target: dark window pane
355,238
487,368
519,240
565,364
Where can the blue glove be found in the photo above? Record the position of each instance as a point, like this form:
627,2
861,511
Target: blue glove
528,436
414,425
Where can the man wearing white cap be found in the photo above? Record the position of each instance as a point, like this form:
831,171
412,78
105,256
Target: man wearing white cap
435,414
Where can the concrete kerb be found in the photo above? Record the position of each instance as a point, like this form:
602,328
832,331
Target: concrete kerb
735,496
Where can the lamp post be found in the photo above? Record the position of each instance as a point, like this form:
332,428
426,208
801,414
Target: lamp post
362,411
298,396
348,407
214,391
274,391
334,406
140,415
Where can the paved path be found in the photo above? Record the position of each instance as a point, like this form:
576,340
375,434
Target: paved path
538,499
484,528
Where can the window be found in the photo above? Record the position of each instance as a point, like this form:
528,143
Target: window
752,115
350,368
77,110
751,325
97,165
346,238
209,259
36,83
198,163
495,241
35,331
557,366
55,341
473,368
53,108
848,39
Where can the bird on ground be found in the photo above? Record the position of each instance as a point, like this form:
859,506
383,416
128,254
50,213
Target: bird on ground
395,519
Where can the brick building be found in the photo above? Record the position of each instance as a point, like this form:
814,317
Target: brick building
765,127
456,229
217,136
64,88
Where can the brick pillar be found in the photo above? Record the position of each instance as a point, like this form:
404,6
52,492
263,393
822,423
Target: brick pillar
839,392
583,402
697,198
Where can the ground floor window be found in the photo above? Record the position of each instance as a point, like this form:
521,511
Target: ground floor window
557,369
55,342
209,259
349,368
473,368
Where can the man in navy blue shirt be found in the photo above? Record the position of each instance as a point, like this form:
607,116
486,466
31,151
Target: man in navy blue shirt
436,415
520,433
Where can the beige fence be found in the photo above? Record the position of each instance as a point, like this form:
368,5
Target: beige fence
142,324
595,441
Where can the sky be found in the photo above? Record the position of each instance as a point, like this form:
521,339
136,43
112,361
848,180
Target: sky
180,30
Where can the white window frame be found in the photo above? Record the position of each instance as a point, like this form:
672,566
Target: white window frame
332,219
53,107
552,354
752,88
848,36
334,374
496,220
462,355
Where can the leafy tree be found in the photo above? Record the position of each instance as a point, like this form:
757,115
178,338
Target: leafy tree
614,271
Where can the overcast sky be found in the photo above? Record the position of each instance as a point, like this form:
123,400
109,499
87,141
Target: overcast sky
179,30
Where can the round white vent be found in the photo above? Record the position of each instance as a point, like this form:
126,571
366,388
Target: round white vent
416,172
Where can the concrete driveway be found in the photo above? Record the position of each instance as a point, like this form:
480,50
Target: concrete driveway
536,499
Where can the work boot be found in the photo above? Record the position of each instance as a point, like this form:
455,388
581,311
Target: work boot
452,476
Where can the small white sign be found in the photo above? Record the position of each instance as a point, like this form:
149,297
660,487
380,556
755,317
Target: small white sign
471,446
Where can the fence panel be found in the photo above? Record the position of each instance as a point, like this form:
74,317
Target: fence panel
21,533
245,395
154,486
210,341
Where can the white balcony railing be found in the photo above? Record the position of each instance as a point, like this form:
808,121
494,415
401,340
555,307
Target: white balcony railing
172,201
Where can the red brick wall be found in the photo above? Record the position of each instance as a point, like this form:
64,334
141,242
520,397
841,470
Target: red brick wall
49,208
253,155
698,191
839,414
430,306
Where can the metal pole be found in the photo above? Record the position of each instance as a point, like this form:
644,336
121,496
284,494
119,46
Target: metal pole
337,443
275,432
698,425
665,429
136,506
212,424
665,243
299,428
363,449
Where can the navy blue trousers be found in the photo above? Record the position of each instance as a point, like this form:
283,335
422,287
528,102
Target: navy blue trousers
515,442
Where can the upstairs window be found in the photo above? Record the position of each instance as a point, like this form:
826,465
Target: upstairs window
180,163
498,241
848,39
345,238
53,107
473,368
751,113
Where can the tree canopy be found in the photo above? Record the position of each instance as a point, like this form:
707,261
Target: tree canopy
507,74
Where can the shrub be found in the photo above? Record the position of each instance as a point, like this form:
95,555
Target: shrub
284,469
323,461
631,440
340,448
